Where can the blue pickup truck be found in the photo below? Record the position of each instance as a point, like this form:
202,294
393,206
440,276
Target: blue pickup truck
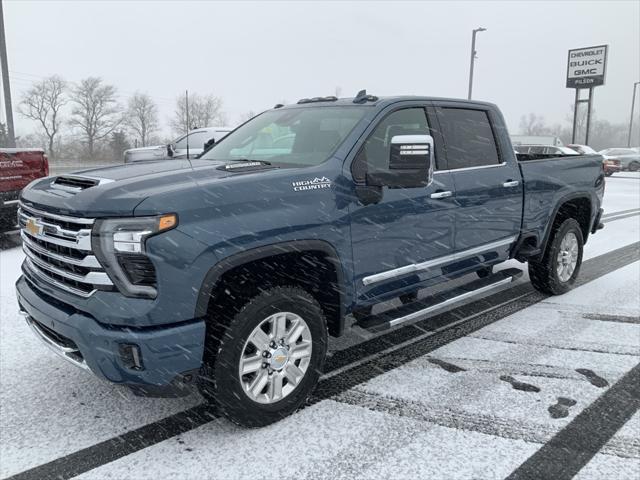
229,272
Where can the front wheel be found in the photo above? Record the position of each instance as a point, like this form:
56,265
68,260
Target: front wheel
269,357
556,273
634,166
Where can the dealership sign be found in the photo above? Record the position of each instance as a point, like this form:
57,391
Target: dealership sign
586,67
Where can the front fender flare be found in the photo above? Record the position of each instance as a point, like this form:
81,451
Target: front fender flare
295,246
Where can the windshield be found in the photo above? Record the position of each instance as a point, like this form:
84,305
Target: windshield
298,136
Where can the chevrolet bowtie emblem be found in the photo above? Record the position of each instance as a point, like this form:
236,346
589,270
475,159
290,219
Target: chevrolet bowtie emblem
280,358
33,226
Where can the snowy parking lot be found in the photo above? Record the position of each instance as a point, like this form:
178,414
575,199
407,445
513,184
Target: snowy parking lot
517,384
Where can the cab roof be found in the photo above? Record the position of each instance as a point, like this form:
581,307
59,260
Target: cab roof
374,101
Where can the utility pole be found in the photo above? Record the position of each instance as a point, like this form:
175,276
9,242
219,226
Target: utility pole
186,100
5,81
473,57
633,104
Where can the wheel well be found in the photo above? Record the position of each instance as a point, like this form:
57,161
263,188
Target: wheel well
314,271
578,209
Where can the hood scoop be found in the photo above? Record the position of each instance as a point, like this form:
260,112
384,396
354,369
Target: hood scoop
77,184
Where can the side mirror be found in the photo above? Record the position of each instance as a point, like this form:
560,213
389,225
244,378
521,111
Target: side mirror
170,150
410,163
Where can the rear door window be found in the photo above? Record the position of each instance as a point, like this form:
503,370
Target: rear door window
468,138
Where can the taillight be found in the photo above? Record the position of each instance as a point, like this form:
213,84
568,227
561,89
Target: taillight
45,166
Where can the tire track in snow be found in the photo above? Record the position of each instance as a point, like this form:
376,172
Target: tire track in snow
559,344
625,447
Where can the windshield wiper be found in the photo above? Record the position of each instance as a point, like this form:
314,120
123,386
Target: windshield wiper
264,162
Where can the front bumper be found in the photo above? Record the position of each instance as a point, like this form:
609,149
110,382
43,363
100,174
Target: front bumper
169,353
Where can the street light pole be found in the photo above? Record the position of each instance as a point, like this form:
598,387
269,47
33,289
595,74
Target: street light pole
633,104
473,57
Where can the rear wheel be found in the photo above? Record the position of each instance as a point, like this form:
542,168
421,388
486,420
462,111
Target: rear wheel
556,273
269,357
634,166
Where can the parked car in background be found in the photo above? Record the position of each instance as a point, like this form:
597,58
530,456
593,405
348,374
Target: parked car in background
196,138
628,158
611,166
536,140
582,149
545,150
18,167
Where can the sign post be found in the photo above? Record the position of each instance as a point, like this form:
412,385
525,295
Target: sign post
586,68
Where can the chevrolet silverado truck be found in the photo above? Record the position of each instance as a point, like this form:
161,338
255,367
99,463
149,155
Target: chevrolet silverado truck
229,272
18,168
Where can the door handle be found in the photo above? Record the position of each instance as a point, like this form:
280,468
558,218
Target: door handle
438,195
511,183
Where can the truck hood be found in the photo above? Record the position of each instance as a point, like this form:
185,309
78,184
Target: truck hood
116,191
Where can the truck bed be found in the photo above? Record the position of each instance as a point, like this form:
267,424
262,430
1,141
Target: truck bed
550,180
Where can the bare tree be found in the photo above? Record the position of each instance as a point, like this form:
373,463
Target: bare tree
43,103
532,124
96,112
204,111
142,117
245,117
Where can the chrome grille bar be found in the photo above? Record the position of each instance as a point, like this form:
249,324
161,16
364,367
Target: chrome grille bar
55,216
88,262
58,251
91,278
79,240
32,269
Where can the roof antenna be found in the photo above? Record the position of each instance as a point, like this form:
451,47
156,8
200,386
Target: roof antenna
362,97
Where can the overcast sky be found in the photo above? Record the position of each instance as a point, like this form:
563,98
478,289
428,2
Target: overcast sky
254,55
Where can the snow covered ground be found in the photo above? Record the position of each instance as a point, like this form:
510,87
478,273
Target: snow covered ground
481,406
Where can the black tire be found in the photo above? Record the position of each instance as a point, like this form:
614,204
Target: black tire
543,274
484,272
634,166
220,381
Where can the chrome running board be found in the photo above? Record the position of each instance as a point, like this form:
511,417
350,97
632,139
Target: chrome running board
421,308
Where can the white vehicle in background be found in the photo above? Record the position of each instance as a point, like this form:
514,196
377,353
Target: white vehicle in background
544,150
582,149
536,140
197,139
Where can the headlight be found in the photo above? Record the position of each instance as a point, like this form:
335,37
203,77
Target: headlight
119,245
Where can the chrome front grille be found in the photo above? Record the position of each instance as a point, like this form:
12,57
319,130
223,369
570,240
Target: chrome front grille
58,250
